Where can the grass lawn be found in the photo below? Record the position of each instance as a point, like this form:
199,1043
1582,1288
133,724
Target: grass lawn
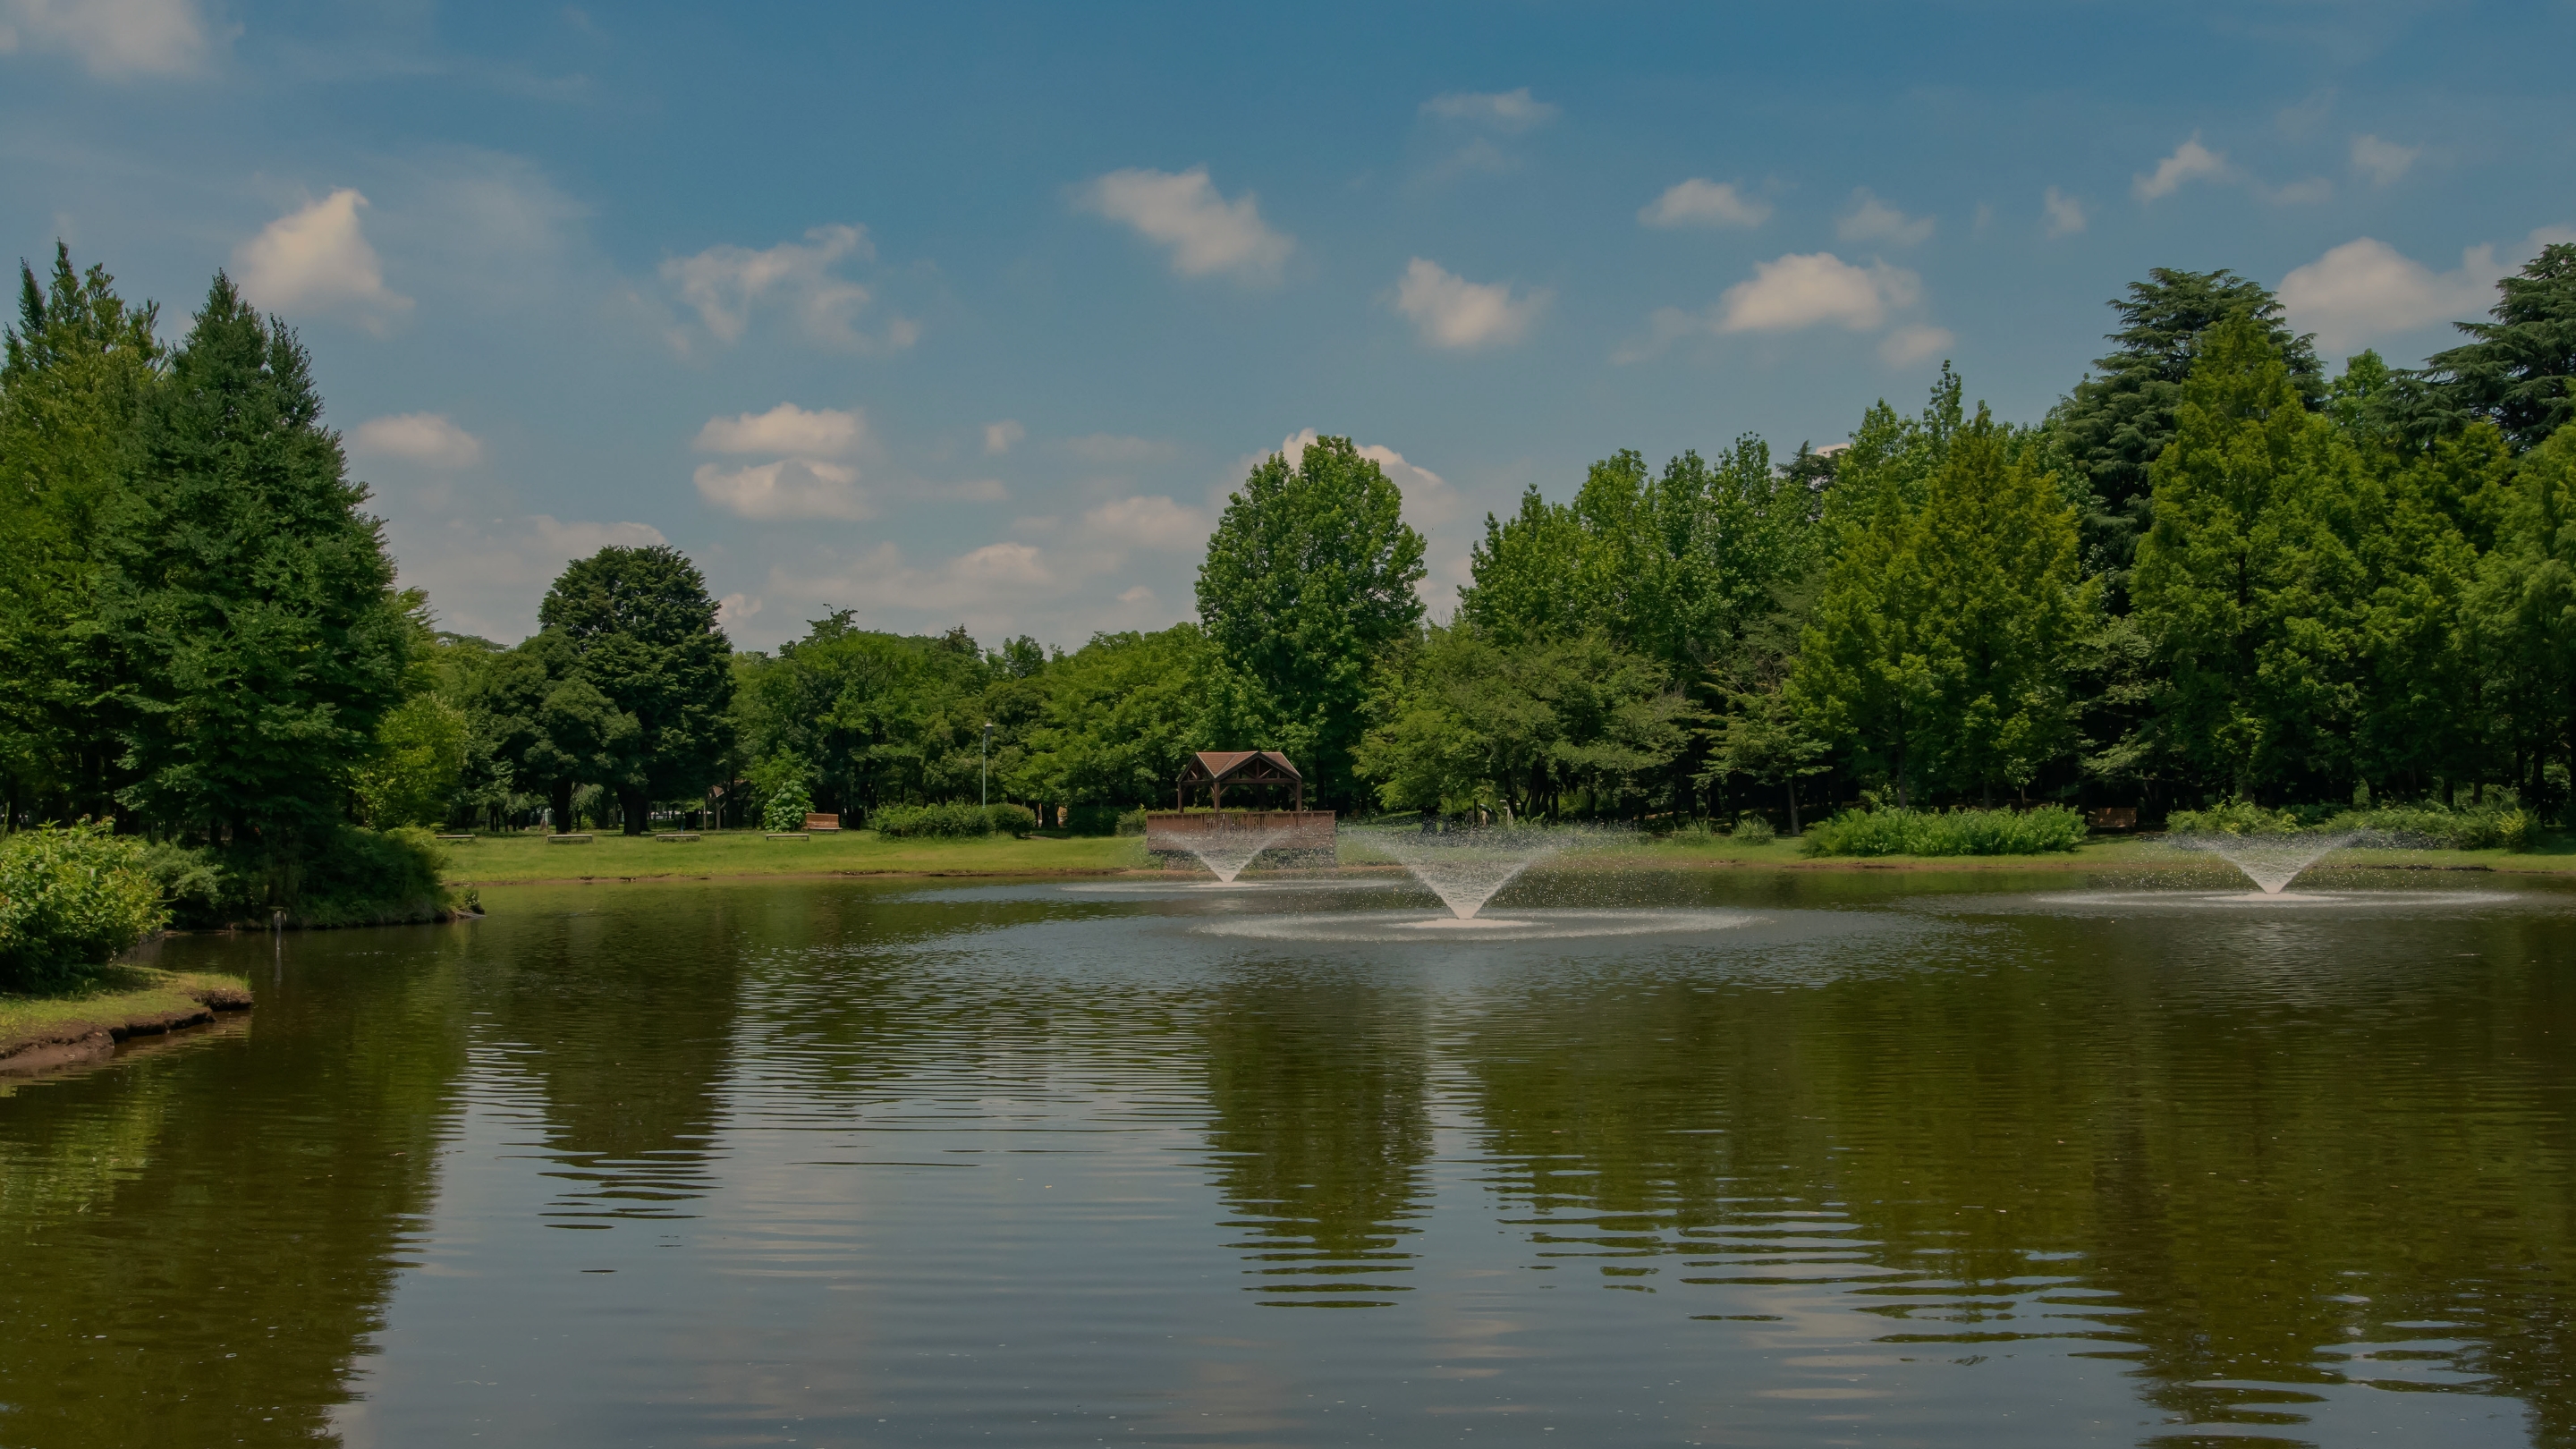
505,859
502,859
125,994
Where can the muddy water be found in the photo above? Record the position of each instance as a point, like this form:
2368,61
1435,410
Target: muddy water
1928,1160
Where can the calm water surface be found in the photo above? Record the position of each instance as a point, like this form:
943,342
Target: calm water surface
1822,1159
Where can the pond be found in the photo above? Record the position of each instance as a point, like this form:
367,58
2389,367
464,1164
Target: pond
1693,1158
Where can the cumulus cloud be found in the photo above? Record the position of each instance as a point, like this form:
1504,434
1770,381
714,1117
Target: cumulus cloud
1909,345
1699,202
317,259
2191,161
733,609
786,428
1871,219
2367,288
1155,523
2382,161
1802,290
1507,111
726,285
485,574
113,38
1449,311
1002,437
791,488
417,438
2065,214
1183,211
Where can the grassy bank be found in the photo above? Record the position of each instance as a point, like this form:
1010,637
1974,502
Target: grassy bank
48,1030
502,859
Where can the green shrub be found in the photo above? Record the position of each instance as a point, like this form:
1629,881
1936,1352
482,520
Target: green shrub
1132,822
348,876
2233,817
2473,827
1754,830
1094,820
1952,832
953,820
71,900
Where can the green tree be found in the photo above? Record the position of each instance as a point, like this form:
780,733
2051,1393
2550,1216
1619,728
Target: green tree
2517,372
2526,608
78,368
1309,576
419,758
249,595
1118,718
1945,631
2249,582
640,625
2117,422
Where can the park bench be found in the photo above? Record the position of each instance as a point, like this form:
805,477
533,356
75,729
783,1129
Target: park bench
2113,818
677,836
567,840
823,822
455,839
786,835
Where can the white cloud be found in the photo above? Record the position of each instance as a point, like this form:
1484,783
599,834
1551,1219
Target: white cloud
1002,437
2382,161
733,609
2366,288
791,488
317,259
1137,595
581,540
1802,290
1508,111
112,37
1450,311
2297,193
2190,161
1183,211
724,285
2065,214
1909,345
1697,202
1428,498
787,428
1154,523
1871,219
419,438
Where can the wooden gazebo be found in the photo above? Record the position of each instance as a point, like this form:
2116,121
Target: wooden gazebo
1217,769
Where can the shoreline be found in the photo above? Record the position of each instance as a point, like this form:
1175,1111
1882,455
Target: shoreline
39,1034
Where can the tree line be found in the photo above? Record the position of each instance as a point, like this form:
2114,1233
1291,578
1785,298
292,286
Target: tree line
2210,572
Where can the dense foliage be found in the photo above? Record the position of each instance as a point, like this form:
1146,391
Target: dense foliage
71,899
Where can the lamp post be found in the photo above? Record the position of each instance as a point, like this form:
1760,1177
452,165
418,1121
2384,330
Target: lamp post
984,788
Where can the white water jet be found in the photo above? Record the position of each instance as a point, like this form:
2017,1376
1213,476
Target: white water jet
1227,847
2270,861
1466,867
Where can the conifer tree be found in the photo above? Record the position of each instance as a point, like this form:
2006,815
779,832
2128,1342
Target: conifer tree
643,633
2249,582
248,593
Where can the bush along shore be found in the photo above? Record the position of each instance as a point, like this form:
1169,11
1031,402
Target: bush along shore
72,901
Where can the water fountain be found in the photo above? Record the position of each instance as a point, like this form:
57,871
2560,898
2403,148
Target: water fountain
1226,846
1467,865
2270,861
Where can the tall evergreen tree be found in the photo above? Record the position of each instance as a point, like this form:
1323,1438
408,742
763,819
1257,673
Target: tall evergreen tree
644,633
1309,577
2520,372
77,370
2118,421
248,593
2526,601
2249,582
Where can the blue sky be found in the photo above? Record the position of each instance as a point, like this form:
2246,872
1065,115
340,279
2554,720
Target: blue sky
974,313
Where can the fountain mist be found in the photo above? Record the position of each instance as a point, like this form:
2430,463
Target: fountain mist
1227,847
2270,861
1465,866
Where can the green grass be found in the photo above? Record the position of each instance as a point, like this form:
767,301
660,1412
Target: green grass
501,859
119,995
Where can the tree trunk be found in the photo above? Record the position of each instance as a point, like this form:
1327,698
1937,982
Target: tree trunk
562,805
1793,804
632,805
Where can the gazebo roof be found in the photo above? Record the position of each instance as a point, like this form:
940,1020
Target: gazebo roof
1248,767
